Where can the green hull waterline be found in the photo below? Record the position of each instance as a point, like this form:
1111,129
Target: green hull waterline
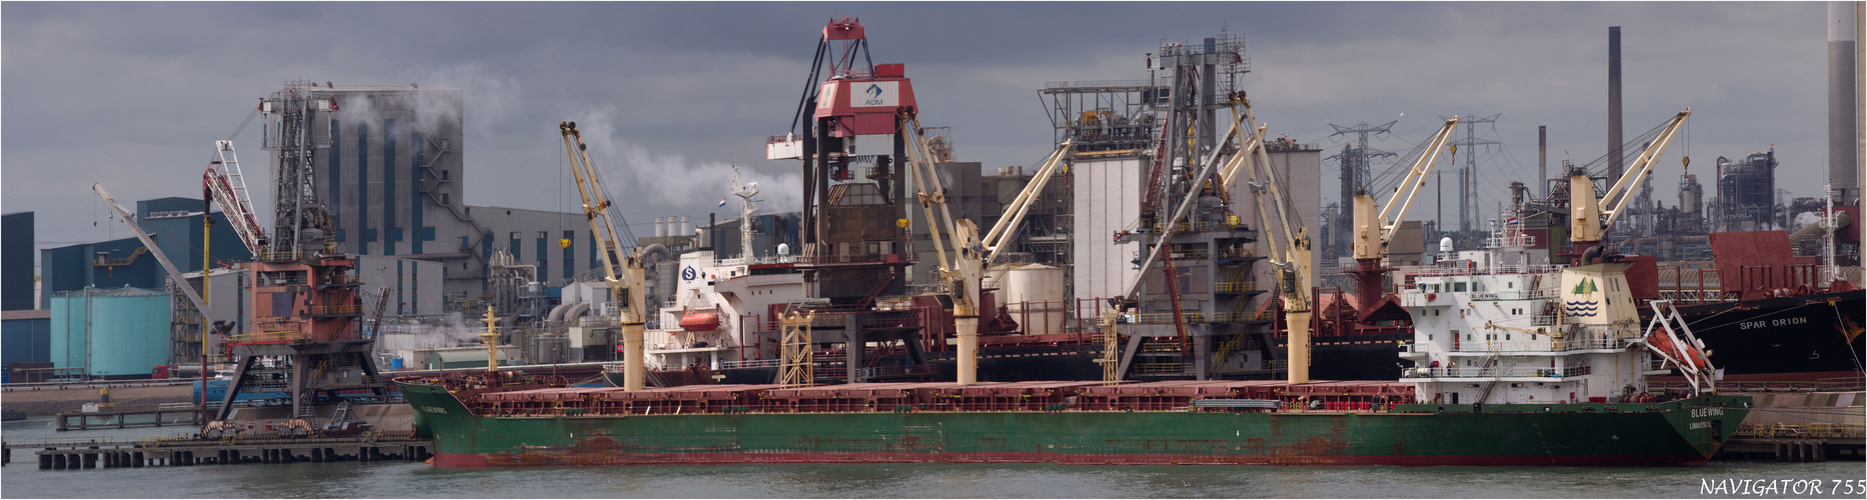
1684,431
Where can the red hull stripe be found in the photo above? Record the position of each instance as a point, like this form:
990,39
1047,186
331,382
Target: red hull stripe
561,459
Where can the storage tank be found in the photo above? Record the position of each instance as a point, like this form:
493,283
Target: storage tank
1034,295
114,333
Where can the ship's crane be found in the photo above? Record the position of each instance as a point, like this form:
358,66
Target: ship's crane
622,269
224,184
963,272
1289,251
1001,233
1374,231
1590,217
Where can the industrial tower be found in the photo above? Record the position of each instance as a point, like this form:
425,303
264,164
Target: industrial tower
305,304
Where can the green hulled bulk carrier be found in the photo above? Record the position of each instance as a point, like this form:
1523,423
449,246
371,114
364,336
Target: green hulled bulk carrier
1501,382
749,424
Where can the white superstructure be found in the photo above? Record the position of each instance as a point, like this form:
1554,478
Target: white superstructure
1499,325
739,300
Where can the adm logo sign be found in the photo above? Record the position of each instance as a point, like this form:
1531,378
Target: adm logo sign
875,94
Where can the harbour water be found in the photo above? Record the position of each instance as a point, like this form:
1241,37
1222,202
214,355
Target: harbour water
394,479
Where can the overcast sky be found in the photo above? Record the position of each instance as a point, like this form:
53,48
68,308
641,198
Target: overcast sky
668,94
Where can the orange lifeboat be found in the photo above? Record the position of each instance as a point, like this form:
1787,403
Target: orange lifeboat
1691,353
700,322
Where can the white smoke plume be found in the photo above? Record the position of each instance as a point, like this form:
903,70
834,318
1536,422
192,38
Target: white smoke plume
640,178
1803,220
410,333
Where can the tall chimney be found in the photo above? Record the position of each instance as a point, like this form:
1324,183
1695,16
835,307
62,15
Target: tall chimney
1843,141
1614,103
1542,159
661,227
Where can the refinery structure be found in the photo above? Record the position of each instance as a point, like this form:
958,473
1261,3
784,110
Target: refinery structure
1167,236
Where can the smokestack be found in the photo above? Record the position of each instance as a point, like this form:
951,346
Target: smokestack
687,226
673,227
661,227
1614,103
1843,75
1542,159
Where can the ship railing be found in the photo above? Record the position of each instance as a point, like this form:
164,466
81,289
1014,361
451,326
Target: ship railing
1841,384
1161,368
1544,294
1579,342
1518,240
1508,345
752,363
1504,371
1823,385
1200,317
1543,320
1443,271
842,259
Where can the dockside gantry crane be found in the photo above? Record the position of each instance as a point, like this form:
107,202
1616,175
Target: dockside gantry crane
1590,217
622,269
1373,232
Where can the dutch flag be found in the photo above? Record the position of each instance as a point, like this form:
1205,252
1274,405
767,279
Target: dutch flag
1513,220
722,202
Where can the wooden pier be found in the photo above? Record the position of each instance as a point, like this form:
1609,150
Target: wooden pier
87,453
184,414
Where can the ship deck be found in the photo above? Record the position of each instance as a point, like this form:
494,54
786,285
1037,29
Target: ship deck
1239,395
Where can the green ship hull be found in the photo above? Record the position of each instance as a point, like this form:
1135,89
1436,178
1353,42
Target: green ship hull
1685,431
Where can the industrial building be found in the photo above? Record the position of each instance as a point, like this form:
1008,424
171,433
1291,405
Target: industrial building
174,223
1746,198
388,167
16,274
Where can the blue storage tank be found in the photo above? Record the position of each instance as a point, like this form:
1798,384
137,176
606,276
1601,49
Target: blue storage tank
114,333
395,363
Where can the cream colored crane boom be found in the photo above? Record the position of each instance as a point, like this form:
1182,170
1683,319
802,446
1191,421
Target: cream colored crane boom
1289,254
625,279
129,219
995,239
1252,147
962,273
1373,234
1589,220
